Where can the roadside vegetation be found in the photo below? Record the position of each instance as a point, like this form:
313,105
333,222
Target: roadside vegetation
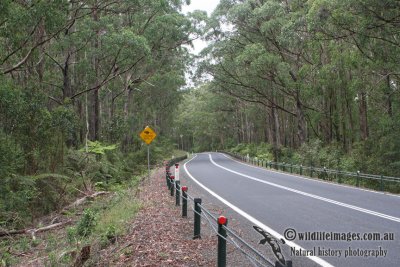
78,82
302,81
311,82
86,227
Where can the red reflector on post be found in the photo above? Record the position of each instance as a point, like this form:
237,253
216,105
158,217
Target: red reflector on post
222,220
172,177
184,188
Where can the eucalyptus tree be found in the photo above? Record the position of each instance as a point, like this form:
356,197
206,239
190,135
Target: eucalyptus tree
96,67
370,29
318,69
208,121
260,61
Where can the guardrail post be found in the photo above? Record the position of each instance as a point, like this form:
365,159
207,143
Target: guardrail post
184,201
284,166
172,185
197,218
222,221
168,181
291,167
177,193
381,183
166,175
358,179
311,171
301,169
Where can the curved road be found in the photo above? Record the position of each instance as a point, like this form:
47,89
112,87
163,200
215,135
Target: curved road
279,202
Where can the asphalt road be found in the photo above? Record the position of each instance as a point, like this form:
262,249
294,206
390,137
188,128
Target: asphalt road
277,202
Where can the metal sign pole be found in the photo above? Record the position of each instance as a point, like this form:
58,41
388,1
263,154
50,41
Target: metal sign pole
148,136
148,160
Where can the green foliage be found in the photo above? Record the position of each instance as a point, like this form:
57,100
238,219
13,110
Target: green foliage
65,121
261,151
71,235
310,154
98,148
316,79
72,72
6,259
203,119
11,156
114,217
87,223
26,197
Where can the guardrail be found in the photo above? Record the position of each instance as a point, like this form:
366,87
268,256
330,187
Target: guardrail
354,178
219,226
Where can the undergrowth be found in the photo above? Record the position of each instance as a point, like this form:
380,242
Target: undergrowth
98,223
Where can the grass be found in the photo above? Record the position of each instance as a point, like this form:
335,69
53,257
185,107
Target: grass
113,220
178,153
112,215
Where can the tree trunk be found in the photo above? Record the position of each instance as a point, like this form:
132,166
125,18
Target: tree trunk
67,90
40,66
363,116
274,132
389,97
301,121
242,130
349,104
128,100
276,127
94,112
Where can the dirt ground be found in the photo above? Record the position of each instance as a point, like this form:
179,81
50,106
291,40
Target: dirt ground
159,236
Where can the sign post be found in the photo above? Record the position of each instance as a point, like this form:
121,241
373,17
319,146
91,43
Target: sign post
148,162
148,136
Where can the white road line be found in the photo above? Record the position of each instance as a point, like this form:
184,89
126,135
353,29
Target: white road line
381,215
310,179
254,220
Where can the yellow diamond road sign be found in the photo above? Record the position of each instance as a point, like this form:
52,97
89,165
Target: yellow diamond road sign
148,135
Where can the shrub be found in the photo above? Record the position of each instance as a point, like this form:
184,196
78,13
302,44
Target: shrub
87,223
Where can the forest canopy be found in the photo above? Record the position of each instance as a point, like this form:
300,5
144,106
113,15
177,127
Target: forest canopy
311,82
301,76
81,74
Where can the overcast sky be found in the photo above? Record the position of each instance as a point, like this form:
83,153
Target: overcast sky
207,5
